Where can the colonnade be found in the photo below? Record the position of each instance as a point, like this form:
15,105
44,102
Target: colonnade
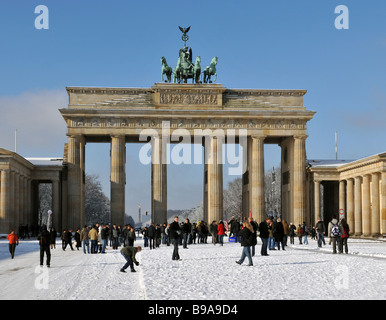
15,199
365,197
363,200
254,198
19,195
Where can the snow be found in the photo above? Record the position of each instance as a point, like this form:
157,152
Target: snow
205,272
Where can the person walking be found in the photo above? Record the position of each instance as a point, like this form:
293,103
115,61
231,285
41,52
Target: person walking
286,232
279,234
44,242
68,239
271,238
84,239
129,253
335,231
246,234
221,232
264,234
174,234
320,232
213,229
131,237
93,234
345,234
300,233
306,232
254,239
104,236
53,238
292,229
13,241
115,237
63,238
186,229
151,234
78,243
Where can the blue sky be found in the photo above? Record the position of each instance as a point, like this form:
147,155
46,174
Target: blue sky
260,44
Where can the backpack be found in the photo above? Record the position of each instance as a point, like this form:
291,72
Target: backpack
43,239
335,230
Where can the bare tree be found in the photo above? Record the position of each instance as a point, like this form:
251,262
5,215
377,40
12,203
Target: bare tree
233,204
97,204
45,202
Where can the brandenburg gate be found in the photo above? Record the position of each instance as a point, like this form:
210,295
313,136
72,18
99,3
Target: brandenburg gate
255,117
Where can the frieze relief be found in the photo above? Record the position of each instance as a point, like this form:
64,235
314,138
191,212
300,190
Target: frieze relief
187,98
142,123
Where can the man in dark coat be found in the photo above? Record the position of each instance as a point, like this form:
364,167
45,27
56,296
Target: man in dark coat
264,235
186,229
68,240
254,238
44,242
151,235
279,234
320,232
174,234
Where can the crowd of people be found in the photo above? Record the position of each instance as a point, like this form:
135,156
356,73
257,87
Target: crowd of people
273,233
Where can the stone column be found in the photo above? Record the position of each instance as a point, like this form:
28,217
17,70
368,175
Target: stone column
213,159
24,217
56,216
205,195
366,227
117,179
158,182
358,206
4,201
375,217
350,205
29,202
16,214
317,200
299,174
11,195
255,164
82,177
383,202
74,180
342,195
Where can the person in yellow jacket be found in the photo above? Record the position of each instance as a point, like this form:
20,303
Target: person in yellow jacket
93,234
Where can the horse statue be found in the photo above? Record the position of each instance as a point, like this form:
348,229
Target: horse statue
184,68
210,71
197,70
177,72
166,70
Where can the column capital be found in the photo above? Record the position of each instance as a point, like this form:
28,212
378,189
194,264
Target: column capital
74,136
301,136
117,136
258,136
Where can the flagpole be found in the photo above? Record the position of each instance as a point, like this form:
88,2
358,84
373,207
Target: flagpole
15,140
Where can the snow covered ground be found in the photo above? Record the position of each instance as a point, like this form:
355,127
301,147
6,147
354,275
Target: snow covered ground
205,272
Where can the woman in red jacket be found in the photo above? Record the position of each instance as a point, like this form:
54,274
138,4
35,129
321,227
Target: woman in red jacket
13,242
221,233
